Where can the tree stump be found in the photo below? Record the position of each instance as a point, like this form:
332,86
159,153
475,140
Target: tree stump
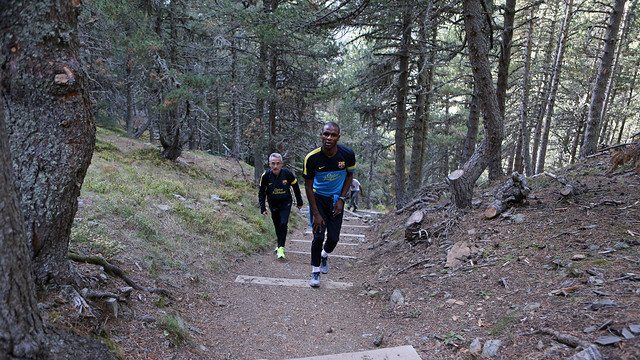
515,190
412,226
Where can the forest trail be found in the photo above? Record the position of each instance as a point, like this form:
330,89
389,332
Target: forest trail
268,311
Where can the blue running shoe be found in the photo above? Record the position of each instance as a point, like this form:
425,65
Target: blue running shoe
324,265
315,280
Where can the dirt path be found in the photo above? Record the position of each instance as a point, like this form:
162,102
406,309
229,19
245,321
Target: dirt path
256,321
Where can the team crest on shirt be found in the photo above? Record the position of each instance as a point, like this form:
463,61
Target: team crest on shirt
341,164
284,182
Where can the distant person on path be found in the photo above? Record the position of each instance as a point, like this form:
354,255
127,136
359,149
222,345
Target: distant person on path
274,186
354,191
328,171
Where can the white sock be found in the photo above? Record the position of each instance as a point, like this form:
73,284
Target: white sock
324,254
315,269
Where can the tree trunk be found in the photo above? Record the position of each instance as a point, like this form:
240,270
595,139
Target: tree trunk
522,157
604,72
128,85
462,181
169,126
495,166
372,154
546,87
423,99
555,82
629,17
235,113
629,99
50,124
20,323
401,107
473,120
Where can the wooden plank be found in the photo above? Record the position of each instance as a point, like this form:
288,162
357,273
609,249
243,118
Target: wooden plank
406,352
340,243
357,226
259,280
330,256
309,232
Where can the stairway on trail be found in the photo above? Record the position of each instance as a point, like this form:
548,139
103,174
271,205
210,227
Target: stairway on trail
301,320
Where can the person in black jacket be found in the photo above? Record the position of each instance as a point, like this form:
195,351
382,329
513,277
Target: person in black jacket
274,186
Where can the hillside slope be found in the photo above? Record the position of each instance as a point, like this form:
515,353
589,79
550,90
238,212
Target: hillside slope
566,264
169,226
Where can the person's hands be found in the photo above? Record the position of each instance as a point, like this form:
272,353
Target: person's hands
338,207
299,205
318,223
265,212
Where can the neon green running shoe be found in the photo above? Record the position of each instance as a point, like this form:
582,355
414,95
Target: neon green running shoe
280,252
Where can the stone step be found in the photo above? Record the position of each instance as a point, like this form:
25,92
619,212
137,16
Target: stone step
406,352
259,280
339,243
330,256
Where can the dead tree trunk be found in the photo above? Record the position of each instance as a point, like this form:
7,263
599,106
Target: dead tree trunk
604,72
50,124
514,191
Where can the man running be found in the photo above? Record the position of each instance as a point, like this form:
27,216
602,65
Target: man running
328,171
274,186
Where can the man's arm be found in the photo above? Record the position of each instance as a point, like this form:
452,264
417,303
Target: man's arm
318,221
298,194
339,206
262,194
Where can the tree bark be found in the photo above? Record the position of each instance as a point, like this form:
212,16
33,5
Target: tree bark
401,107
629,99
473,119
462,181
522,158
545,86
604,72
50,124
502,82
423,99
21,329
555,83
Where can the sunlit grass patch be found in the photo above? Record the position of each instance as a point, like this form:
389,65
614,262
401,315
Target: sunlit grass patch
96,238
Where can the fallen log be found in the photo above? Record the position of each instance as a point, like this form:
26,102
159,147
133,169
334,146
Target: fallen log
514,190
569,187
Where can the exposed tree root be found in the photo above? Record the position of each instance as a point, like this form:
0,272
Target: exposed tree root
116,271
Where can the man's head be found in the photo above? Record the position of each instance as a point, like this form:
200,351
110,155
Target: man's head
330,135
275,163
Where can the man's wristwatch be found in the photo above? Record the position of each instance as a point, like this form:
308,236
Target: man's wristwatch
344,199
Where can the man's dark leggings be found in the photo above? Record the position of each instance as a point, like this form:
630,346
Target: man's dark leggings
332,227
280,216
